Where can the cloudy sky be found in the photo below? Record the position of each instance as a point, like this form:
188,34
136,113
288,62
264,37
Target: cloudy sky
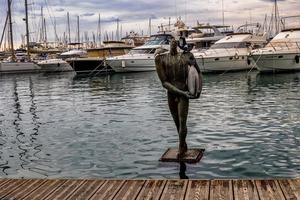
134,14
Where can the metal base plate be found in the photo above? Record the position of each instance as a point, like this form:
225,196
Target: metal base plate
192,156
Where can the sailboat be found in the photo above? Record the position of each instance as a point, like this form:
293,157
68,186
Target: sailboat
13,65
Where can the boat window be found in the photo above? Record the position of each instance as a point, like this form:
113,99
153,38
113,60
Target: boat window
142,51
160,39
229,45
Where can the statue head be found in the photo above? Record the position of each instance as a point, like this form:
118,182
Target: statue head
173,47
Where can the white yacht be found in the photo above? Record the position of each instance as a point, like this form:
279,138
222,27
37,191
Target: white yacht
230,53
74,53
141,58
281,53
206,35
18,67
54,65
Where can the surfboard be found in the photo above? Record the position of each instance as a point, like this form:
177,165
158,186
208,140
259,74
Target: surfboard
193,81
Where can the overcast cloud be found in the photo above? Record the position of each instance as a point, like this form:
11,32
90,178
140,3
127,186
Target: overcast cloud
134,15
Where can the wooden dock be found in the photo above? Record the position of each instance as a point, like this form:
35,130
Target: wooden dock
46,189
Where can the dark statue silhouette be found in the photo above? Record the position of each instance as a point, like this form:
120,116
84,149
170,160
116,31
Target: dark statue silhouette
173,70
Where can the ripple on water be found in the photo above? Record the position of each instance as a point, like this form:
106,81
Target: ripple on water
118,126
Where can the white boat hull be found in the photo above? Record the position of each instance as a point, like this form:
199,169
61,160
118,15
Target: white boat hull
55,66
18,67
276,62
132,65
221,64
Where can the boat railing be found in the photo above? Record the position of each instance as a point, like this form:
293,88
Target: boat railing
229,50
276,46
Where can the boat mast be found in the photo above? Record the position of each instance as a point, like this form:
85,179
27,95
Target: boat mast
42,26
4,28
45,32
150,26
276,18
99,30
78,31
55,32
69,29
118,31
223,18
27,28
10,31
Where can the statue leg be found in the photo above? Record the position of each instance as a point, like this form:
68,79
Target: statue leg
173,106
183,109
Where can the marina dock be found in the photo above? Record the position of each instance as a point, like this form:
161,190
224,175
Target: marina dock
149,189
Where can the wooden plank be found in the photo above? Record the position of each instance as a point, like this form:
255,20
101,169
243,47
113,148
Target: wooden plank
3,181
191,156
197,190
175,190
25,189
65,190
152,190
245,190
45,189
87,190
290,188
130,190
108,190
269,189
221,190
10,186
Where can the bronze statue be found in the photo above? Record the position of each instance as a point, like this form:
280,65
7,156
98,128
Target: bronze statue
173,70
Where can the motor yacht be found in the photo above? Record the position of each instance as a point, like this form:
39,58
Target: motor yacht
94,62
205,36
281,53
54,65
141,58
230,53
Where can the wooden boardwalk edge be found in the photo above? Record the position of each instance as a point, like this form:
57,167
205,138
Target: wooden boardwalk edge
149,189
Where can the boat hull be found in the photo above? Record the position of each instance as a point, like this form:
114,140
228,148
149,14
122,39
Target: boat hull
222,64
132,65
60,66
276,62
19,67
86,66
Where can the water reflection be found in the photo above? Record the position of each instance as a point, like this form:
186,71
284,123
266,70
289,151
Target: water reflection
182,171
118,126
20,147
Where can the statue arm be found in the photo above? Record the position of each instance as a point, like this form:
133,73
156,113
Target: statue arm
194,62
174,90
163,78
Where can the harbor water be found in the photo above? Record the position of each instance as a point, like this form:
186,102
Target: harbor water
118,126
